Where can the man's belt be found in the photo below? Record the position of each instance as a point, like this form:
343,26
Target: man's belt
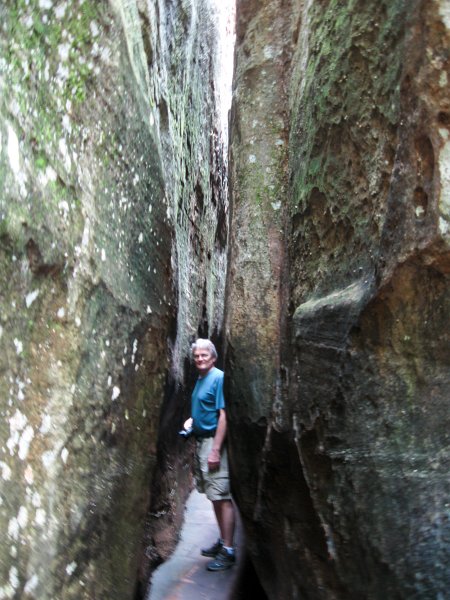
205,434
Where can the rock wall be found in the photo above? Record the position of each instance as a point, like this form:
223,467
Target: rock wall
337,321
112,237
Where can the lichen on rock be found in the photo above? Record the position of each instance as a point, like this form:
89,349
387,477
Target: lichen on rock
110,234
340,383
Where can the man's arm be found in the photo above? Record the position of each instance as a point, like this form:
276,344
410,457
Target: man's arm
221,431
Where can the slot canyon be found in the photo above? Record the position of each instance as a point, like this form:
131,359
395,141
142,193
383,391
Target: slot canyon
274,175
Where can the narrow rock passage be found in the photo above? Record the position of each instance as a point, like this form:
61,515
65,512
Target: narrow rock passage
184,575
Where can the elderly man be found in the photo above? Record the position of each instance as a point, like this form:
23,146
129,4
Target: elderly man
209,425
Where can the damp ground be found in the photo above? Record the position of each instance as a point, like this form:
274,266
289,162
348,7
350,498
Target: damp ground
184,576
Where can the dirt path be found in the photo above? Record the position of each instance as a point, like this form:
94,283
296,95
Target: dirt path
184,575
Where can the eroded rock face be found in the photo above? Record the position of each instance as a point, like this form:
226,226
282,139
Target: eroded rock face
112,233
339,399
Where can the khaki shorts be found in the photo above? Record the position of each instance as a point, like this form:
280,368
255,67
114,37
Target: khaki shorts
215,484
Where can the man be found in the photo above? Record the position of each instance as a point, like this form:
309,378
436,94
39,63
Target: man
209,424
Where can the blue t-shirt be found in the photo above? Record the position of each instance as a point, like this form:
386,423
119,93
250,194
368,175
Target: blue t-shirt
207,400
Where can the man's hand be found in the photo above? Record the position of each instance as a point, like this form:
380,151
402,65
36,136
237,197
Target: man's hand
214,460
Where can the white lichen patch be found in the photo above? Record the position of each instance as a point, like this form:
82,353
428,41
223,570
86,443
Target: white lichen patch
25,441
19,346
60,10
444,226
71,568
276,205
14,577
420,211
47,176
6,471
13,151
62,74
444,169
62,146
45,424
64,51
48,458
269,52
28,475
252,158
21,387
31,297
17,422
105,54
133,355
22,517
444,11
86,234
115,393
64,207
45,4
94,29
12,442
61,313
64,455
13,529
31,584
40,517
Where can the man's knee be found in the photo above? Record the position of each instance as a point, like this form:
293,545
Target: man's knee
218,488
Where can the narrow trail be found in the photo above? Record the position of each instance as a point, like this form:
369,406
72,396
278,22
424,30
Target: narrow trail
184,575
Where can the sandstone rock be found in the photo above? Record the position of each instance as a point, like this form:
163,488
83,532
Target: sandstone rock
339,400
112,256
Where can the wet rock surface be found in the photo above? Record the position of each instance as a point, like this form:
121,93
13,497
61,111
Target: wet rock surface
112,256
338,297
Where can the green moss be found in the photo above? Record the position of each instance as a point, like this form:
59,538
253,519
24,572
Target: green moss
41,162
33,53
337,87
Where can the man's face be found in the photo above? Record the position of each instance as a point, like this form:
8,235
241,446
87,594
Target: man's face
204,360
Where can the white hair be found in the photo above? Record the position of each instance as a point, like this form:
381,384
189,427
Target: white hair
202,343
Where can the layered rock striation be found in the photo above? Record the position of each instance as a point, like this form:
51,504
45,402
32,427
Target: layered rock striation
112,253
338,307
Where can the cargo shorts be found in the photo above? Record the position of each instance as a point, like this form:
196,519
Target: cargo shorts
215,484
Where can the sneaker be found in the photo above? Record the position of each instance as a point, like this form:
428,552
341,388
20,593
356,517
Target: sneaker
223,561
212,552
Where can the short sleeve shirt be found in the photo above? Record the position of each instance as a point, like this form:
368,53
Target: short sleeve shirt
207,400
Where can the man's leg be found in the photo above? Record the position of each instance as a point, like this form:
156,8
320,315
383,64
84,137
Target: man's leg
224,511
